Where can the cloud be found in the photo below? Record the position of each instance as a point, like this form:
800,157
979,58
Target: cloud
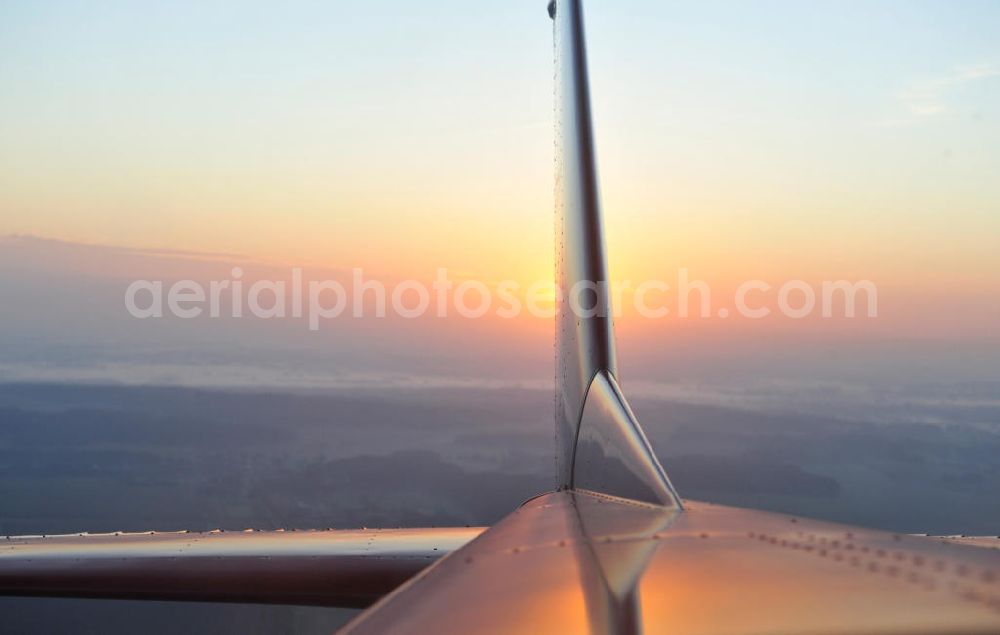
929,98
13,240
981,71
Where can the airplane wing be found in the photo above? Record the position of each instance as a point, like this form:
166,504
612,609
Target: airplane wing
581,562
344,568
613,550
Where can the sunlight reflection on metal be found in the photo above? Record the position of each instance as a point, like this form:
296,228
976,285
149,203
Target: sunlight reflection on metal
610,571
566,562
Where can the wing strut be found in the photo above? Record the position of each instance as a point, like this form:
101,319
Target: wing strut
599,442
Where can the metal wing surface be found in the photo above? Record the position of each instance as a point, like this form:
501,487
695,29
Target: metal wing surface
579,562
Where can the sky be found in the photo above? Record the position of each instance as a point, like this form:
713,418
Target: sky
772,140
